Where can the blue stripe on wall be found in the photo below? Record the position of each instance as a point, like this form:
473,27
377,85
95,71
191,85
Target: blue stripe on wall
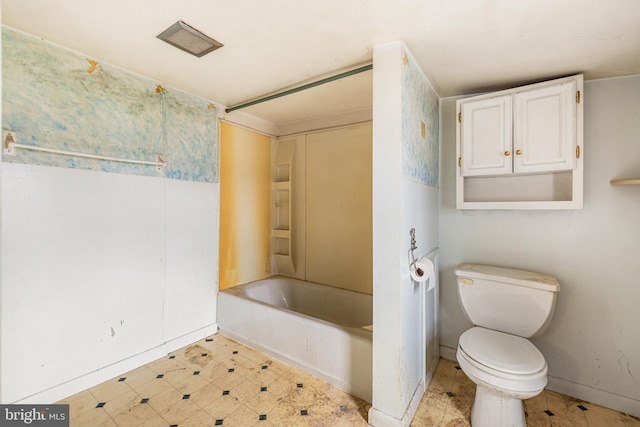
420,155
52,100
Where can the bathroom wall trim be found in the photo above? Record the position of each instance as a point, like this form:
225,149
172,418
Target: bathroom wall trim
251,123
590,394
91,379
579,391
326,129
447,352
321,123
378,418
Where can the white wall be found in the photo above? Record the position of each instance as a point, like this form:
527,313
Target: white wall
420,212
399,204
592,346
100,269
191,230
337,195
105,265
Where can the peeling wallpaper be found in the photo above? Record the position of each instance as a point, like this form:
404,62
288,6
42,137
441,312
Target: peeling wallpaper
191,127
56,98
420,154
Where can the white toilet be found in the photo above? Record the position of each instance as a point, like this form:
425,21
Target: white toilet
506,306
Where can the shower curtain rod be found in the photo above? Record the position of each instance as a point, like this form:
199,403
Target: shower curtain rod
301,88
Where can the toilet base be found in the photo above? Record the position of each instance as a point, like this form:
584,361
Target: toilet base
492,409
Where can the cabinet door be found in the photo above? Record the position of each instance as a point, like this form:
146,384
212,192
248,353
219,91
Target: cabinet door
486,136
545,129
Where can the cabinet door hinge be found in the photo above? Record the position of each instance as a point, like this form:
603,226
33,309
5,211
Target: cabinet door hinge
578,97
460,161
460,117
578,152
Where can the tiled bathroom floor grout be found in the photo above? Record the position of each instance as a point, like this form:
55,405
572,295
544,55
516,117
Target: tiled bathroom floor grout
217,381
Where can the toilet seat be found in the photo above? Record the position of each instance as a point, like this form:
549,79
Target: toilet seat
502,360
518,355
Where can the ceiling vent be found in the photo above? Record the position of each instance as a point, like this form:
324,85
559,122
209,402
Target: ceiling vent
189,39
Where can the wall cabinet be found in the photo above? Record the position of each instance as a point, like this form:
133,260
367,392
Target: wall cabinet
486,136
521,148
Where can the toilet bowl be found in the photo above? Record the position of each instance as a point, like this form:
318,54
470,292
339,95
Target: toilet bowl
506,306
506,370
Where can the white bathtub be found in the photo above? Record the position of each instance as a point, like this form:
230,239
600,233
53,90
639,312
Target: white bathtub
313,327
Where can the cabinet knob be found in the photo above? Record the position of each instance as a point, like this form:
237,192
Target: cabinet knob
507,153
518,152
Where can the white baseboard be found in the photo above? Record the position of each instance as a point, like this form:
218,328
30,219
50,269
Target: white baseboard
604,398
76,385
184,340
448,352
378,418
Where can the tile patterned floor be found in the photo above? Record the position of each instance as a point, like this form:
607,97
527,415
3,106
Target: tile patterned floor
450,395
219,382
215,382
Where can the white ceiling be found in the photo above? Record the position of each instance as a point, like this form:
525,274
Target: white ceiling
463,46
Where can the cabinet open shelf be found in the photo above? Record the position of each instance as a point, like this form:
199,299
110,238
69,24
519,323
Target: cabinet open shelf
521,148
625,181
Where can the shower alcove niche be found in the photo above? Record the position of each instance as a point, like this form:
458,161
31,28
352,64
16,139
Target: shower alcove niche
298,206
317,226
321,221
281,221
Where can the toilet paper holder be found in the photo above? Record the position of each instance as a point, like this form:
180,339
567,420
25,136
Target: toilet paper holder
412,233
421,269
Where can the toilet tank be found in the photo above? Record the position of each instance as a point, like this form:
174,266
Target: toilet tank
517,302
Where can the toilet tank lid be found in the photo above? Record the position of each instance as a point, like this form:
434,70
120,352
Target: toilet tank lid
509,275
